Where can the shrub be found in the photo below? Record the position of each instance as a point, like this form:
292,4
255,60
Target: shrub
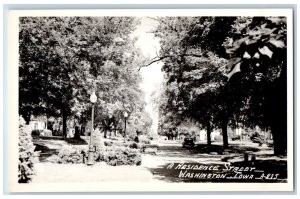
54,159
150,150
236,137
108,143
219,138
57,133
46,132
35,132
119,143
131,136
257,138
99,145
134,145
144,139
26,153
70,155
140,146
270,143
136,139
116,156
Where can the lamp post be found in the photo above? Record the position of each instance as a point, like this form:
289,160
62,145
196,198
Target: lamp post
125,116
91,160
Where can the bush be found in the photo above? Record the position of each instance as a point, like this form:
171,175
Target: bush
70,155
270,143
144,139
219,138
57,133
108,143
116,156
46,132
256,138
99,145
236,137
119,144
134,145
26,153
136,139
131,136
54,159
35,132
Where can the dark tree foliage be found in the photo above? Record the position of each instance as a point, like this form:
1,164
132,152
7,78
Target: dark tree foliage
196,74
258,49
226,70
64,59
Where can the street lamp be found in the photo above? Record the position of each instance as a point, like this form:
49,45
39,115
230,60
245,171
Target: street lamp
125,116
91,160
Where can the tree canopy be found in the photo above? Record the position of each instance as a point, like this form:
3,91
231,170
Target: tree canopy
64,59
224,70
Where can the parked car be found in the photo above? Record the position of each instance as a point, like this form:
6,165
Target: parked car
188,143
41,132
236,137
257,138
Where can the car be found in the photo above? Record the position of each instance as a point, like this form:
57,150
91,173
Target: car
236,137
256,138
188,143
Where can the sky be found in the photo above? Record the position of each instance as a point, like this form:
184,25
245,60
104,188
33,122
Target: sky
152,75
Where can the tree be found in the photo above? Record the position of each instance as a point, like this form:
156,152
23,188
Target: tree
258,51
256,74
195,74
48,76
64,59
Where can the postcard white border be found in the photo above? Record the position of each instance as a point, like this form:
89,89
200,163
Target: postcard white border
12,92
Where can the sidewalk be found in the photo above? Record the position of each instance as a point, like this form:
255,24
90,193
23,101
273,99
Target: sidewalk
81,173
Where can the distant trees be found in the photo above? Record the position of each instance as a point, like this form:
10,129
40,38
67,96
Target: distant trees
64,59
226,70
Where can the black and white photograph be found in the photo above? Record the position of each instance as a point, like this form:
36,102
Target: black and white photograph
178,100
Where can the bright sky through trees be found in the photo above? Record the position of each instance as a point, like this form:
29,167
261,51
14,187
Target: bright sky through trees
152,75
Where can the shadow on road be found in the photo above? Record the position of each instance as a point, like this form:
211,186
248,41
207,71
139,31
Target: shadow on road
47,138
44,152
203,150
233,148
74,141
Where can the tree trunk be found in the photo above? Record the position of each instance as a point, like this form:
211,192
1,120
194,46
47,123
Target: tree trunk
208,133
64,116
77,129
279,132
279,137
46,123
82,129
27,118
105,133
224,132
77,133
278,114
